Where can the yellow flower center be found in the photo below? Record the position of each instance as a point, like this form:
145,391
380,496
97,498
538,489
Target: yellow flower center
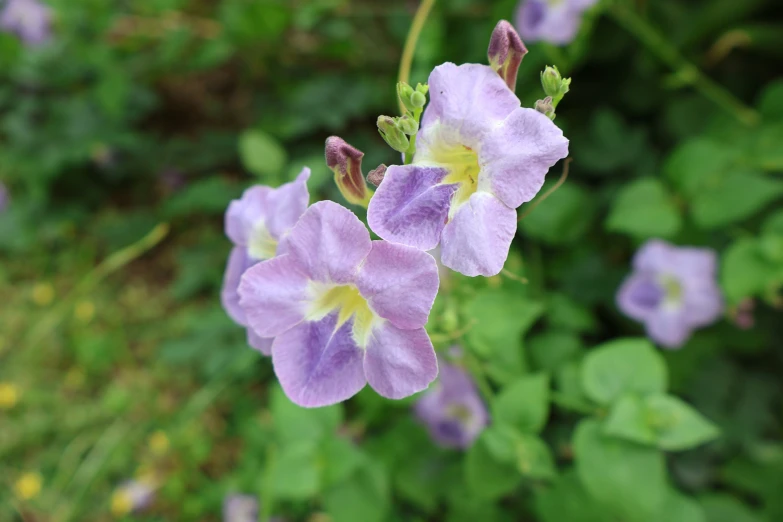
262,245
463,166
348,303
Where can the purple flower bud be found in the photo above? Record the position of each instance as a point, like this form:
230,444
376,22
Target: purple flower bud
30,20
376,175
673,291
506,51
452,408
346,163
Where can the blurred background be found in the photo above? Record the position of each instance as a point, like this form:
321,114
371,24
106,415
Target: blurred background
126,127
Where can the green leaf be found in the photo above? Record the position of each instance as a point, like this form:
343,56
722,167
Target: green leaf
720,507
680,508
771,101
294,423
551,350
627,478
207,196
567,501
364,497
697,161
622,366
746,271
644,209
563,217
342,458
734,196
661,420
564,312
262,154
678,425
773,225
524,403
487,476
296,475
531,456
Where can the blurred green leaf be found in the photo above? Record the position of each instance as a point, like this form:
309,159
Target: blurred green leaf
721,507
644,209
364,497
262,155
294,423
746,271
568,501
487,476
562,218
550,350
524,403
622,366
295,474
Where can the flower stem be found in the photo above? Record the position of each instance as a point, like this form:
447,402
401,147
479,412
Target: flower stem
410,42
684,70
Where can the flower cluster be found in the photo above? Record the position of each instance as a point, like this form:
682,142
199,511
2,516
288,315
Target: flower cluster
336,310
673,291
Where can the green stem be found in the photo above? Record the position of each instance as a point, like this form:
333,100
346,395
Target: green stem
410,42
684,70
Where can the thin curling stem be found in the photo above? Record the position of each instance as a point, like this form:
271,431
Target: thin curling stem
549,192
686,71
419,19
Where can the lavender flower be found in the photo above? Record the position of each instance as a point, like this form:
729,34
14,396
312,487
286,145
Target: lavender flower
452,408
478,157
257,224
4,198
673,291
132,496
553,21
344,310
30,20
240,508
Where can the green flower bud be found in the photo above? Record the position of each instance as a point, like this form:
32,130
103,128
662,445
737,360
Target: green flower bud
408,125
392,133
418,99
553,83
404,93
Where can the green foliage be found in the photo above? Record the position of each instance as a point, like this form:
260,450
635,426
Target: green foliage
644,209
523,404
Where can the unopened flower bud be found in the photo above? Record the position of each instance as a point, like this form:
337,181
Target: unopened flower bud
392,133
545,107
506,51
553,83
346,163
376,175
418,99
408,125
405,93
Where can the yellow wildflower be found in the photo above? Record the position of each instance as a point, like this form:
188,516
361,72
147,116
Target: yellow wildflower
28,486
43,294
9,395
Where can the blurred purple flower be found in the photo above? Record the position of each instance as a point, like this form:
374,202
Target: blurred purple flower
478,157
344,311
30,20
257,224
172,179
553,21
673,291
242,508
4,197
132,496
452,408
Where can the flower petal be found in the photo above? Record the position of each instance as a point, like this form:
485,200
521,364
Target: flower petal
668,328
411,206
318,365
554,23
329,242
639,296
238,263
244,213
477,239
399,363
702,302
286,205
274,295
516,157
262,344
468,99
400,283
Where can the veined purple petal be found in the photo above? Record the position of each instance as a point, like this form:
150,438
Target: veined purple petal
262,344
476,241
274,295
469,98
669,328
244,213
516,157
640,296
702,302
400,283
329,242
411,206
399,363
319,364
238,263
286,204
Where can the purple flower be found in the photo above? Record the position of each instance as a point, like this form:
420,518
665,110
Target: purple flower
452,408
4,198
28,19
240,508
553,21
257,224
478,157
133,496
344,310
673,291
